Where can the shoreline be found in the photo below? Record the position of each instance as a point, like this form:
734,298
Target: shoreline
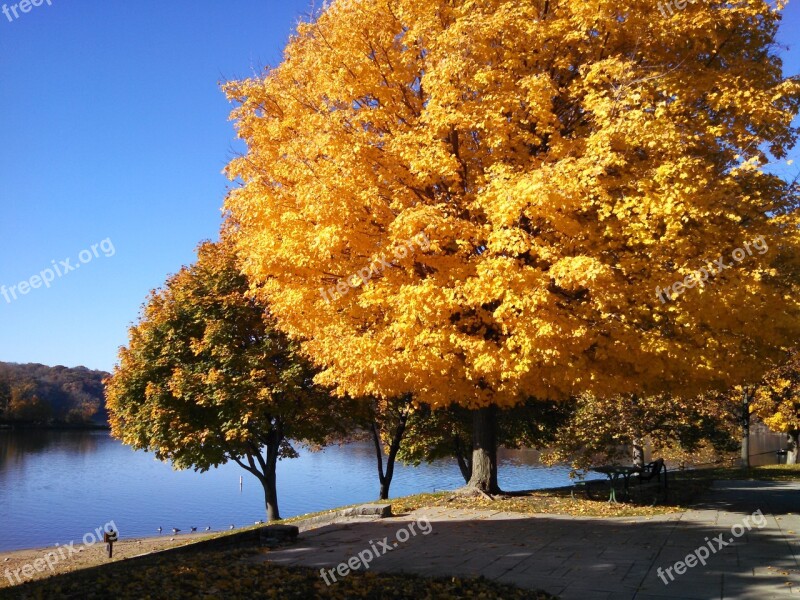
54,427
79,556
85,556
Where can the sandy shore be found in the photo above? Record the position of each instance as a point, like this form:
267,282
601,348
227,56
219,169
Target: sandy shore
82,556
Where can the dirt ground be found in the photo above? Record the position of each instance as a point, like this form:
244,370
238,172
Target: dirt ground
81,557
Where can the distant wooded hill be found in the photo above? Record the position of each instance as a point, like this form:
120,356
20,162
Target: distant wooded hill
40,395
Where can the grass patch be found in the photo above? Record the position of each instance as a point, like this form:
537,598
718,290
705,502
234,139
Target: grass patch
563,501
762,473
236,575
684,488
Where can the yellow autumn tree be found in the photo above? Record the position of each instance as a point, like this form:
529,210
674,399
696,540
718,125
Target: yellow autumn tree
777,402
478,202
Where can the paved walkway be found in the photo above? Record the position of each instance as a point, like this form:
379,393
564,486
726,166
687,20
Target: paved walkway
589,558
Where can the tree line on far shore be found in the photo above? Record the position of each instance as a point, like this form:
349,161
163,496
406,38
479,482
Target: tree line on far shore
38,395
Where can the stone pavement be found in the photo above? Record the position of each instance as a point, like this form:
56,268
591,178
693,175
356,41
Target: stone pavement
584,558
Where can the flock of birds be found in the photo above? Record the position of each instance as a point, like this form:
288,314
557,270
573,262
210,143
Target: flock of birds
175,530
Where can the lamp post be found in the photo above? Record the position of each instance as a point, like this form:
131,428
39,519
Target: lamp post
746,429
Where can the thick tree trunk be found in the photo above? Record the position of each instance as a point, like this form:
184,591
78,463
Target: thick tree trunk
484,451
271,498
269,468
793,447
270,484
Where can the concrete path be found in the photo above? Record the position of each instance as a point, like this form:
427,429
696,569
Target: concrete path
587,558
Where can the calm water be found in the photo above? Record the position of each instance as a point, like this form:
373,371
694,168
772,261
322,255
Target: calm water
57,486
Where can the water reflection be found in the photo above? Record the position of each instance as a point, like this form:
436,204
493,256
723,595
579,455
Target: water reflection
18,446
763,446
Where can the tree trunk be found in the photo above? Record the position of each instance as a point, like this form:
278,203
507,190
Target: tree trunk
484,451
745,450
271,498
793,447
747,398
638,452
637,441
385,478
463,462
268,479
376,440
264,470
274,439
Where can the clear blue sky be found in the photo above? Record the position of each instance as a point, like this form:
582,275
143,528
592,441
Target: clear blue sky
112,126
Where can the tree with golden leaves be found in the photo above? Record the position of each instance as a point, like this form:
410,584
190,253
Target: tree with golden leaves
603,430
479,202
777,402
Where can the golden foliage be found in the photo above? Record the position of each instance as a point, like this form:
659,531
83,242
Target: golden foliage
777,400
564,160
602,430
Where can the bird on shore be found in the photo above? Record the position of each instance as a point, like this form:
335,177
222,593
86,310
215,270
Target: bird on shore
175,530
232,526
259,522
208,528
160,530
194,529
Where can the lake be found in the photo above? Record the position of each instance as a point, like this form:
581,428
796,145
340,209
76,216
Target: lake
56,486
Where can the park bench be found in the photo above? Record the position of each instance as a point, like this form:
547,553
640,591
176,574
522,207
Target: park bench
646,478
653,476
652,471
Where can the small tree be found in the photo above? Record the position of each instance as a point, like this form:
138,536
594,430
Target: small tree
387,428
206,378
611,429
777,402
